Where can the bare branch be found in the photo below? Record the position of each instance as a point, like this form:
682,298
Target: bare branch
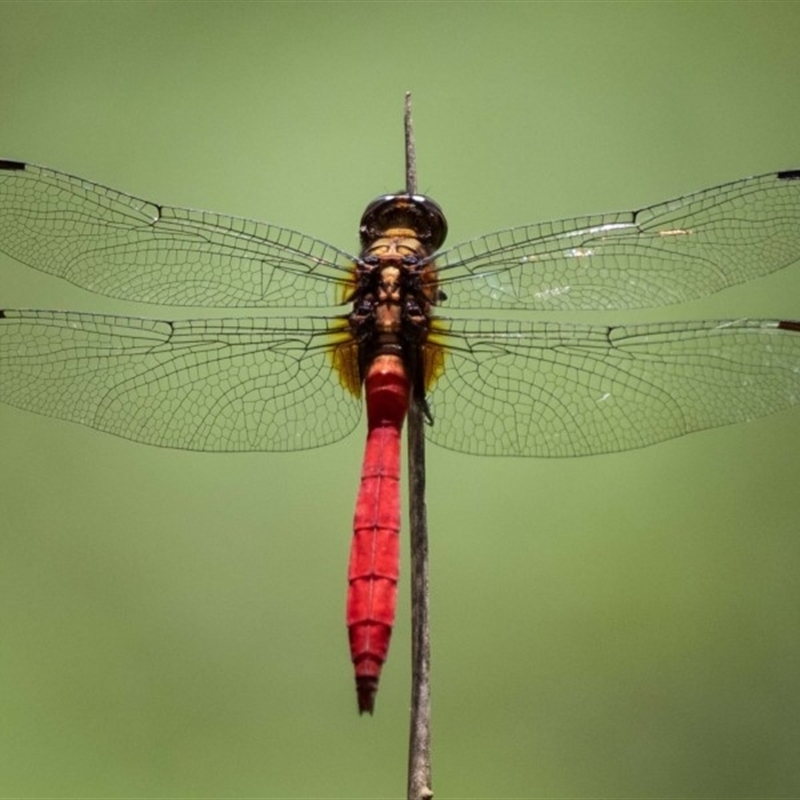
419,749
411,153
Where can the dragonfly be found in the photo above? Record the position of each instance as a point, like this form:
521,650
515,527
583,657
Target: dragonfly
334,330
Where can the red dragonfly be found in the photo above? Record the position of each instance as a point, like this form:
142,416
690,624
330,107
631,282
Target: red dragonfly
291,380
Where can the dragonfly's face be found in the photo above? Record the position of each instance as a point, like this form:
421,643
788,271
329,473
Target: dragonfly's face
394,245
415,213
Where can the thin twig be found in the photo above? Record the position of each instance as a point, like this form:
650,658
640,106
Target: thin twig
411,153
419,745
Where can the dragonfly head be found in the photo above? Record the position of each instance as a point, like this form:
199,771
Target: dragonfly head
411,211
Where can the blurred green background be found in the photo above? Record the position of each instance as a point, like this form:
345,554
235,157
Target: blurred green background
171,624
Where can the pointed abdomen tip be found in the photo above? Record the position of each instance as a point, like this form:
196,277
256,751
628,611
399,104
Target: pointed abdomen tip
366,687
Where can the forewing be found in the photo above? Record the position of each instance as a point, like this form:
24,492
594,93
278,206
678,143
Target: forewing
668,253
121,246
212,385
547,389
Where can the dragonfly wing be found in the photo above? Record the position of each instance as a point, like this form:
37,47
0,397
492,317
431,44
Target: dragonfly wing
668,253
133,249
547,389
212,385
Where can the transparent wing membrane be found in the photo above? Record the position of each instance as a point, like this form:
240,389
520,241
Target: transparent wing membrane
124,247
214,385
550,389
668,253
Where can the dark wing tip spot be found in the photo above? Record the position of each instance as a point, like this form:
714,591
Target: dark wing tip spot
789,325
789,175
11,165
2,313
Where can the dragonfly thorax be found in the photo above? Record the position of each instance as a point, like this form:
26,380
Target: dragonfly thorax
395,289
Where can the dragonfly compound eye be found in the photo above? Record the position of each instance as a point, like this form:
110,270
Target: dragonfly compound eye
412,211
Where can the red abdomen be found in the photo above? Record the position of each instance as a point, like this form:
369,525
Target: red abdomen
375,550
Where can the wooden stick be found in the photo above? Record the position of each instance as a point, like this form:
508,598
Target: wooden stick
419,744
